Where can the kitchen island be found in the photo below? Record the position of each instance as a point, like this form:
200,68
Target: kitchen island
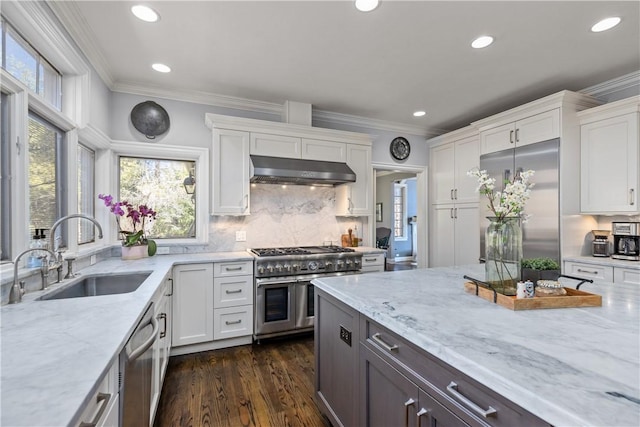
565,367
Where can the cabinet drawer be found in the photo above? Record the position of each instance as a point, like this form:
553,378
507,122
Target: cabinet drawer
372,269
589,271
232,322
102,401
450,387
374,259
232,291
235,268
626,275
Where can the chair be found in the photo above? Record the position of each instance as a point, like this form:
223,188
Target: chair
382,237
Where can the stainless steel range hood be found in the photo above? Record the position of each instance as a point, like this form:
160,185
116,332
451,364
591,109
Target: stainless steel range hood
278,170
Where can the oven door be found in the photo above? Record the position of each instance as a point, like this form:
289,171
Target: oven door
275,306
305,305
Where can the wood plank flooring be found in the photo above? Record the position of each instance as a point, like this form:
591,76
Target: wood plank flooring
268,384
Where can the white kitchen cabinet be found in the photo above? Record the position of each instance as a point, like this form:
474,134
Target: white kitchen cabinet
454,238
330,151
356,199
373,263
449,164
233,300
610,158
102,410
263,144
162,345
192,304
588,271
626,275
528,130
230,172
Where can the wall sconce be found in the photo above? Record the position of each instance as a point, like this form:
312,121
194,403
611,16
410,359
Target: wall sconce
190,184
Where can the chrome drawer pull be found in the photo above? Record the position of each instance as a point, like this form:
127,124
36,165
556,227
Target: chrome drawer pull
408,403
419,415
587,271
370,259
233,269
377,338
235,322
453,389
237,291
631,201
104,398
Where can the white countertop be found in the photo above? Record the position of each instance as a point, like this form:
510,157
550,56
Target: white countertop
604,261
558,364
54,352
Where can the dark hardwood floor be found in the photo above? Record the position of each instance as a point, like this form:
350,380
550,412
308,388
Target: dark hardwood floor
268,384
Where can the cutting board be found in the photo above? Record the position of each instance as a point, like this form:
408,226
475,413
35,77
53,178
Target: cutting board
346,241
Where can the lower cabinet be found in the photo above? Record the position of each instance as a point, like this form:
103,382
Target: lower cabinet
626,275
192,304
103,407
373,263
607,273
162,345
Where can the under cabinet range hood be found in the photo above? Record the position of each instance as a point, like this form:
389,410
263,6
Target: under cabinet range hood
279,170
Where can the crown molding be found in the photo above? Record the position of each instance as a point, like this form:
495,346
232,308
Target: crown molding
614,85
74,23
347,119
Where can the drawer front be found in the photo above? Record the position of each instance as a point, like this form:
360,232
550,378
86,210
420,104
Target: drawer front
624,275
232,291
589,271
232,322
457,392
237,268
372,269
97,410
377,259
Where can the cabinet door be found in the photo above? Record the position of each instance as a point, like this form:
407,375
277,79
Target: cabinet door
192,304
230,172
467,234
275,145
467,157
387,397
442,235
356,199
442,162
626,275
538,128
314,149
498,138
609,174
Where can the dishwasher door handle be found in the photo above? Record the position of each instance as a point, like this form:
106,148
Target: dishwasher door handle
148,343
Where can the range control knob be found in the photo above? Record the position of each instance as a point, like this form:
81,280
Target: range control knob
328,265
261,270
348,263
339,265
270,268
295,267
287,268
313,265
279,268
356,262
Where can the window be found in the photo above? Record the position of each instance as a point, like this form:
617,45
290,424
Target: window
399,211
23,62
158,183
46,173
5,174
86,193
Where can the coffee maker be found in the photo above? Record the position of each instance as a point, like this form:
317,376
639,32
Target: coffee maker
626,240
600,244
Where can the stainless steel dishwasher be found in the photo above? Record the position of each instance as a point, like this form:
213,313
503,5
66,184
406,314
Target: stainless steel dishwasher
136,368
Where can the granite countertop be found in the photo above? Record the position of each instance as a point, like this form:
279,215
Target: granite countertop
604,261
54,352
559,364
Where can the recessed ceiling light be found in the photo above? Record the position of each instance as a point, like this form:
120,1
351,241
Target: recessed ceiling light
366,5
145,13
482,41
419,113
605,24
161,68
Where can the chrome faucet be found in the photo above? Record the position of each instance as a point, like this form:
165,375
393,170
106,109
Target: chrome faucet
15,295
52,230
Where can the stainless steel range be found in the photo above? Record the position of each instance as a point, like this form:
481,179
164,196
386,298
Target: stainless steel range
284,302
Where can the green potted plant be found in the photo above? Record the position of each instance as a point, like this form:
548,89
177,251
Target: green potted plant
535,269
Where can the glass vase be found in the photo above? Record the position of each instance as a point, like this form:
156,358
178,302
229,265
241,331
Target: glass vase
503,249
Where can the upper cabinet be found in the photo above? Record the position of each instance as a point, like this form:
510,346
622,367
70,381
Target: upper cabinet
449,165
235,139
528,130
610,158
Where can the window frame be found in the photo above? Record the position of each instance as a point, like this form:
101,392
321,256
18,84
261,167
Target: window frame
402,186
139,149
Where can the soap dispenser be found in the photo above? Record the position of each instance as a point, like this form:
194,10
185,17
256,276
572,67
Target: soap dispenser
33,260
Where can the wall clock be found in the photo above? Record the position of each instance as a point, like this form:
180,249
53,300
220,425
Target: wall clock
400,148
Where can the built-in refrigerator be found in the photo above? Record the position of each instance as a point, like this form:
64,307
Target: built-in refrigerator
541,233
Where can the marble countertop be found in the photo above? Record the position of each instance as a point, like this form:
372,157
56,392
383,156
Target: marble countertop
604,261
369,250
563,365
54,352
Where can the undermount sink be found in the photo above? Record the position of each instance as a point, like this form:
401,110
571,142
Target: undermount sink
96,285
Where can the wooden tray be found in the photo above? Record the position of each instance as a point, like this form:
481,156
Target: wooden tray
574,298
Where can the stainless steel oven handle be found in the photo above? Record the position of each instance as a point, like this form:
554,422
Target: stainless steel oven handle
148,343
283,282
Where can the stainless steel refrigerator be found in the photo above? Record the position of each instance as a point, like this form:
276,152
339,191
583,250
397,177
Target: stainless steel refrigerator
541,233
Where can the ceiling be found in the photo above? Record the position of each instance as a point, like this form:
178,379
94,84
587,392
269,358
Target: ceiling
382,65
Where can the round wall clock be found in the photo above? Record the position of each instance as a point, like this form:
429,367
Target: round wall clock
400,148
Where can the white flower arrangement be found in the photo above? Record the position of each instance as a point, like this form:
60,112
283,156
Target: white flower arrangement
509,202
